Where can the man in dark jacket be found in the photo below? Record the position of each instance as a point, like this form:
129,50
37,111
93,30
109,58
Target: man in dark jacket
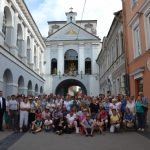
2,109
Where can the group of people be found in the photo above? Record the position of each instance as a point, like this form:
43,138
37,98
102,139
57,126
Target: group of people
85,115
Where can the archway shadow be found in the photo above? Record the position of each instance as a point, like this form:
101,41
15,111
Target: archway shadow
62,88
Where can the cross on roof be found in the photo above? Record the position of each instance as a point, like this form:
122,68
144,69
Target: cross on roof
71,8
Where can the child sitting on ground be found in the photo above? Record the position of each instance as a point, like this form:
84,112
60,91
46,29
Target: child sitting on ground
99,124
103,115
37,125
48,124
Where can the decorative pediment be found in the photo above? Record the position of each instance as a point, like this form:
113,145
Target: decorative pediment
72,32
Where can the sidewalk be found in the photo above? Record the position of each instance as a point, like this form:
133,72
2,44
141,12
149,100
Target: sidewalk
4,134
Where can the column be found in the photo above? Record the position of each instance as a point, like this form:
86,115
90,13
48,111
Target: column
95,52
31,62
60,64
24,46
13,47
37,59
22,90
1,23
42,63
81,59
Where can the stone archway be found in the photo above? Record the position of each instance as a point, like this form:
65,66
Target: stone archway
30,90
62,88
21,85
41,90
36,90
7,82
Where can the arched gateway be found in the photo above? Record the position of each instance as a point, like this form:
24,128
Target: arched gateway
62,88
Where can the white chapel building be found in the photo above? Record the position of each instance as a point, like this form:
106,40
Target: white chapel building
72,48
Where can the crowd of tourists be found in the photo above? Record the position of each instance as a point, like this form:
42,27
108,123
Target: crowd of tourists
79,114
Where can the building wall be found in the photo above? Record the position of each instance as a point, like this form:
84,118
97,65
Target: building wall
137,16
111,60
21,50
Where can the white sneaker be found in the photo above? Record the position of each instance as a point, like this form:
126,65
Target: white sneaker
21,130
139,129
77,130
142,129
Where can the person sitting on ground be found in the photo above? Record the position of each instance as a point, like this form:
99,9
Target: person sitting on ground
128,119
37,125
56,116
70,120
62,125
48,124
88,125
45,113
77,123
99,123
103,115
114,121
38,113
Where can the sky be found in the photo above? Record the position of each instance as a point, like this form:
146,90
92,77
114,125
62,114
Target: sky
54,10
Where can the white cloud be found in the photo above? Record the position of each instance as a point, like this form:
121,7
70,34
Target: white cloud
53,10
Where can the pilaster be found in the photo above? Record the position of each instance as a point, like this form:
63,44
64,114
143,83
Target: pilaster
60,66
81,59
13,42
24,47
31,61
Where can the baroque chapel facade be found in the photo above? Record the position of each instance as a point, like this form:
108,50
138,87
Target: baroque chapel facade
70,56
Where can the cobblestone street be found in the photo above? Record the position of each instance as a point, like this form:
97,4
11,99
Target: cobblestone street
46,141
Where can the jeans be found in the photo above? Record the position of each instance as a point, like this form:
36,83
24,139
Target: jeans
140,117
23,118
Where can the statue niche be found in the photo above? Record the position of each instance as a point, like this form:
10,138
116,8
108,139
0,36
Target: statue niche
72,68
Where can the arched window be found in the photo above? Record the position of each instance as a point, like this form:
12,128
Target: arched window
7,22
7,81
71,62
87,66
19,39
36,90
20,85
29,92
54,66
4,23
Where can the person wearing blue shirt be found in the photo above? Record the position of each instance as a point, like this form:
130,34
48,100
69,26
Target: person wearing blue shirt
128,118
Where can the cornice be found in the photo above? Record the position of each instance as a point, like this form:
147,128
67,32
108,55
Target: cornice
30,20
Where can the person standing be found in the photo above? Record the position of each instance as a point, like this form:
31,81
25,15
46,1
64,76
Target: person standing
145,106
13,111
140,113
24,113
2,109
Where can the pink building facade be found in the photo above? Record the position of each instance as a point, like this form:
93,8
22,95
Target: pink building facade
136,26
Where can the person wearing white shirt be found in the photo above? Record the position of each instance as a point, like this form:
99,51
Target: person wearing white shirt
70,119
13,112
131,106
24,113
